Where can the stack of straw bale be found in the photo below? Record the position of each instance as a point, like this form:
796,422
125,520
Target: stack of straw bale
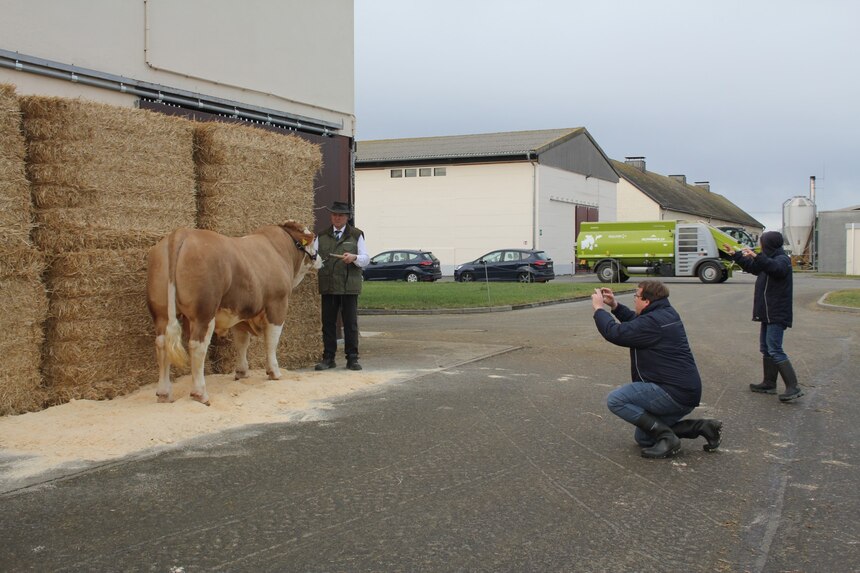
21,266
248,178
107,183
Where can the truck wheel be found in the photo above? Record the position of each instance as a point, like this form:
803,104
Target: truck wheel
607,272
710,272
725,276
625,277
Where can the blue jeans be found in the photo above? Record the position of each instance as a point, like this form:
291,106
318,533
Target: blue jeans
770,342
632,400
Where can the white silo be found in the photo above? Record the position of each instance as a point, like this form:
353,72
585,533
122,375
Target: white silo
798,220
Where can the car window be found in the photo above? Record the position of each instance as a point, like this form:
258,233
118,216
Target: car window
540,255
381,258
398,257
414,256
493,257
430,256
512,255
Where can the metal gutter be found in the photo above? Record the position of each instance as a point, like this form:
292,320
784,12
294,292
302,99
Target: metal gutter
165,94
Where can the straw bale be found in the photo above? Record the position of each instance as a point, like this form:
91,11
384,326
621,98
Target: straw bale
106,177
250,177
21,339
15,207
99,337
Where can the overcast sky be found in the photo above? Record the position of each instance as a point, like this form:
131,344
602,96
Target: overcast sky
754,96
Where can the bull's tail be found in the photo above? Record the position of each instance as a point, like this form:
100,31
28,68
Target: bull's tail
175,350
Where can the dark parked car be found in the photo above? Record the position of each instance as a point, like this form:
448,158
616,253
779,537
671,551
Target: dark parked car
410,266
524,265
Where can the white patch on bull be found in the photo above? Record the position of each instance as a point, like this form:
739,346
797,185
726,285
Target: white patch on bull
225,319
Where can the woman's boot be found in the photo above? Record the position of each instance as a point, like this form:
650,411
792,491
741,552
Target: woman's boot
792,390
768,383
711,430
666,443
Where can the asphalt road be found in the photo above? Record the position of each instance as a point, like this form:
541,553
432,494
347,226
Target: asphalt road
506,462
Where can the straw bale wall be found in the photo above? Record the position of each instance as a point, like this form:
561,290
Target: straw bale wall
25,303
247,178
107,183
85,190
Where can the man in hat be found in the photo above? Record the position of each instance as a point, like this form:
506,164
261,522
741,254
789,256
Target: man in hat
343,254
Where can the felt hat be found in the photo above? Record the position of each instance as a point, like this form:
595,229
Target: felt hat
340,207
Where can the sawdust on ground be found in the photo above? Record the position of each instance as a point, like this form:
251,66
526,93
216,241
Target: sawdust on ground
94,431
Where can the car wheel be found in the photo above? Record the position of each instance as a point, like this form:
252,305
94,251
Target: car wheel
710,272
607,272
467,277
525,277
411,278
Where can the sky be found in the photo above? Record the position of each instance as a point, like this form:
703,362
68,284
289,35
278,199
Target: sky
754,96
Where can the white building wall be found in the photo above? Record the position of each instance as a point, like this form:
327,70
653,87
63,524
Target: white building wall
291,55
471,210
634,205
560,192
852,251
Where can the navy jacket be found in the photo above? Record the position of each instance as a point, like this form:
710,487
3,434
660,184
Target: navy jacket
773,285
659,351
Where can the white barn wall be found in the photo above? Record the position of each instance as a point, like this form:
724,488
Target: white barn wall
292,56
634,205
459,217
559,193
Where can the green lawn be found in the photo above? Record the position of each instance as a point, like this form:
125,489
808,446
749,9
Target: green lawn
847,297
390,295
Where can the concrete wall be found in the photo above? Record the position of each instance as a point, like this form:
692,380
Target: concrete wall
852,254
832,239
291,56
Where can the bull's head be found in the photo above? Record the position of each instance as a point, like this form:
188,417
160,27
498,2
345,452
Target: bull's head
304,240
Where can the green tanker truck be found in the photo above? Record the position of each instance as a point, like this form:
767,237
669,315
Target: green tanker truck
615,251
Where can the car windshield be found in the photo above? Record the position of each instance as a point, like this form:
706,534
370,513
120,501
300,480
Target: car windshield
541,256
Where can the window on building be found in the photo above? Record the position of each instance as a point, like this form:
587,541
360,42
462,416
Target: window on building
396,173
410,172
439,171
425,172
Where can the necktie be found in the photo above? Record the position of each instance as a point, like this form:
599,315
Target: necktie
337,235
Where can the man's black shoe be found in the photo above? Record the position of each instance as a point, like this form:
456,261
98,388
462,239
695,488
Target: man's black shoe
353,364
325,364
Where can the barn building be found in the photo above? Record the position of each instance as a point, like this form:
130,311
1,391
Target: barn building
839,241
290,68
645,196
462,196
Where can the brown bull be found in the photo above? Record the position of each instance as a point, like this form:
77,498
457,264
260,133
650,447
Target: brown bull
214,283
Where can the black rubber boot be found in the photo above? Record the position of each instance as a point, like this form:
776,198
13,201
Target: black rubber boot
666,443
325,364
352,363
792,390
768,383
711,430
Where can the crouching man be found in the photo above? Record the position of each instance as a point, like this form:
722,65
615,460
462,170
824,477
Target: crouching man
666,384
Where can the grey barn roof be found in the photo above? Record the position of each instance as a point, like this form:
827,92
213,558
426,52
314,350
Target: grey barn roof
450,147
676,196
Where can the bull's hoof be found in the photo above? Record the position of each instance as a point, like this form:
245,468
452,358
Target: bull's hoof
273,375
199,398
164,398
241,374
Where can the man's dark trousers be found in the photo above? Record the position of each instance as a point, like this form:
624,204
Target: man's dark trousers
347,304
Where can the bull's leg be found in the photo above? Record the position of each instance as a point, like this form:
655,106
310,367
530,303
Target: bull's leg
272,336
164,390
198,346
242,339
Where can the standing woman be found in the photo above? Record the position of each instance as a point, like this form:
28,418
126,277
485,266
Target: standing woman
772,307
